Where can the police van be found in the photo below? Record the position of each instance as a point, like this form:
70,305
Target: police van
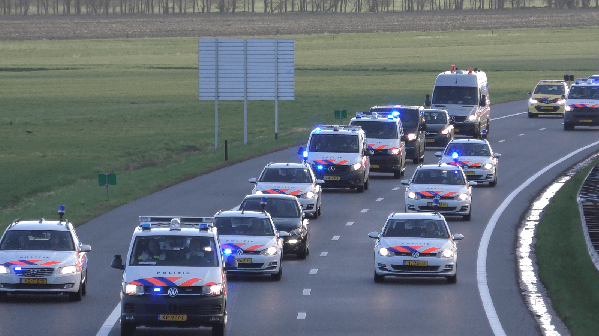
173,275
339,155
384,132
582,104
465,95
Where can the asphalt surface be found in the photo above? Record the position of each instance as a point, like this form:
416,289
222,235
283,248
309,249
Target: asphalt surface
332,292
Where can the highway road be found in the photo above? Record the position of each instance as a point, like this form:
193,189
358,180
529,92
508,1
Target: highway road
332,292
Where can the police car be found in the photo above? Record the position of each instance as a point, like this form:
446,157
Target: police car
296,179
250,243
582,105
443,188
415,245
548,98
339,155
173,275
477,159
414,127
384,133
41,257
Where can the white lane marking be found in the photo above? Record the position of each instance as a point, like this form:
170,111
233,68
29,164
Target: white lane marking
521,134
324,254
306,291
396,188
314,271
364,210
349,224
379,199
110,321
507,116
336,237
481,260
501,141
542,129
301,316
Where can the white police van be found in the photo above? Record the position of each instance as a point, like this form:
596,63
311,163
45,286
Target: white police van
465,96
384,132
173,275
339,155
43,257
582,104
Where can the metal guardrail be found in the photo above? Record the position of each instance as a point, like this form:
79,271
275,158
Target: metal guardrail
588,204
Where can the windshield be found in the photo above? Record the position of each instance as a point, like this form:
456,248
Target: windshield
334,143
174,251
276,207
468,149
584,92
549,89
378,129
38,240
432,118
289,175
455,95
245,226
415,228
438,176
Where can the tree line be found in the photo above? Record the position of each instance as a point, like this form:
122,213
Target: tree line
114,7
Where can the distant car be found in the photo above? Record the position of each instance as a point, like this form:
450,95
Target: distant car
415,245
442,188
477,159
296,179
43,257
286,213
548,98
439,128
582,105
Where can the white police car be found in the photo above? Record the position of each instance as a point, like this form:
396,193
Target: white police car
40,256
296,179
442,188
476,158
415,245
173,275
582,105
250,243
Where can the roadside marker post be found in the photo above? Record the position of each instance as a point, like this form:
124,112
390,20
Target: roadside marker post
106,180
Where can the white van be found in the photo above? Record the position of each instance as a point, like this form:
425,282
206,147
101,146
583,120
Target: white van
465,96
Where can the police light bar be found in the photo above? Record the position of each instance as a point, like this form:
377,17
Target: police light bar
166,221
337,128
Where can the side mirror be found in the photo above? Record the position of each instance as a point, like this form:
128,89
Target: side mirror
530,93
369,152
373,235
405,182
319,181
563,96
438,154
458,236
252,180
85,248
472,183
427,100
423,126
283,234
117,262
496,155
483,101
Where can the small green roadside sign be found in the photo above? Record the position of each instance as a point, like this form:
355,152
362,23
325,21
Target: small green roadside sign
106,180
340,114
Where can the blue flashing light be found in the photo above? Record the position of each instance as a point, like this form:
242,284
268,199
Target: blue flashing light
390,116
395,113
156,289
436,201
358,116
61,209
18,268
317,129
146,226
203,226
454,155
227,251
305,153
319,167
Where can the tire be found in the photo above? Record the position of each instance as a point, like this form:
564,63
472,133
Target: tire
468,217
378,278
279,274
84,291
494,182
568,127
397,174
453,279
532,115
303,253
367,184
362,187
316,213
127,328
2,296
218,329
78,294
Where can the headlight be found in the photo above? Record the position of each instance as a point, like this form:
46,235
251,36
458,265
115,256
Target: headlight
463,197
293,241
472,117
356,166
445,131
394,151
411,137
532,101
412,195
67,270
214,290
4,269
383,251
568,108
561,102
134,289
447,253
271,250
309,194
488,166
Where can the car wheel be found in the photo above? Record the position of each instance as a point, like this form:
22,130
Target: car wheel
568,127
494,182
378,278
218,329
316,213
2,296
279,274
127,328
397,174
468,217
367,184
453,279
532,115
78,294
303,253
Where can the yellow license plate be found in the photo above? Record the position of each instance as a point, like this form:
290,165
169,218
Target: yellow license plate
546,108
456,130
443,205
172,317
415,263
244,260
34,281
430,140
334,178
469,172
586,120
374,166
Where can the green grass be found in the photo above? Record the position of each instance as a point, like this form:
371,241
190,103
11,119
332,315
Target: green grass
74,109
565,267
